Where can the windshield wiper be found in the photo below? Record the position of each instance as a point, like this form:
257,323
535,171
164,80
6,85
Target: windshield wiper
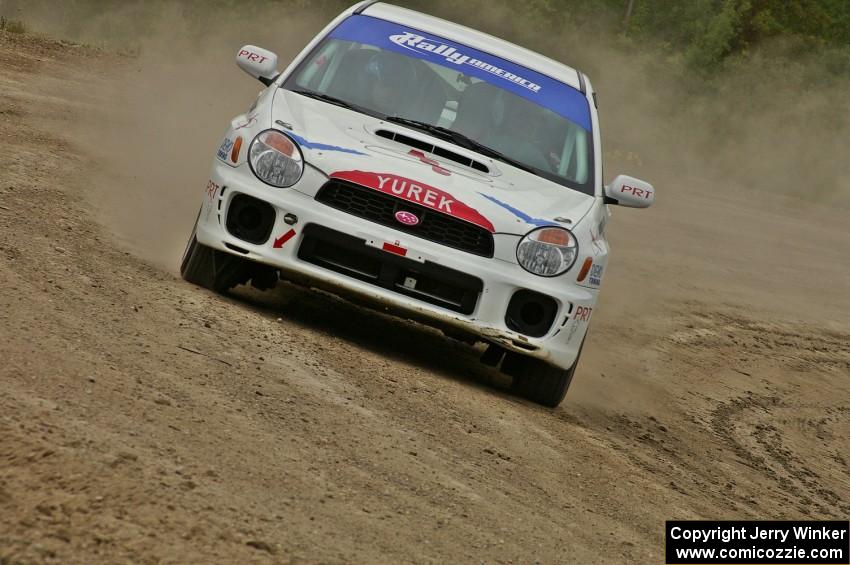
327,98
425,126
499,156
437,131
336,101
459,139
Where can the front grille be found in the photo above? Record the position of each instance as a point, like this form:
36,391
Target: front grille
381,208
427,281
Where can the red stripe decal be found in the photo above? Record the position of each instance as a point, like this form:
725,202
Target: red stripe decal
415,191
435,166
395,249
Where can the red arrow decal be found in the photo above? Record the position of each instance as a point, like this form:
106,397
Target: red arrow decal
280,241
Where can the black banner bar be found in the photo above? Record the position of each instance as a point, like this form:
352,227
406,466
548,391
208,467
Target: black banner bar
757,542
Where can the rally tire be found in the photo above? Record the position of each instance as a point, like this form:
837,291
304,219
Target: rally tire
213,269
537,380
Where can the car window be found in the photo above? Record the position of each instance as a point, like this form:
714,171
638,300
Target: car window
530,118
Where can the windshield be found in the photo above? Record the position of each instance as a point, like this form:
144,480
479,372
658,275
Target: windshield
386,69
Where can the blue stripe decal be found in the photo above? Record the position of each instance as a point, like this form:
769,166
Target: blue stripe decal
321,146
519,213
540,89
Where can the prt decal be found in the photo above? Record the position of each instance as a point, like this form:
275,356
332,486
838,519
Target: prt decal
583,313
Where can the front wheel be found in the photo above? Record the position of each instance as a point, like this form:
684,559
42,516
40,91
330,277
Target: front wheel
211,268
537,380
219,271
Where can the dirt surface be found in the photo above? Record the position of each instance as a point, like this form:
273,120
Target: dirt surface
143,419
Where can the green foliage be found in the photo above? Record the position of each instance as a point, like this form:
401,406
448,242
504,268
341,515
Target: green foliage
720,37
12,26
705,33
710,31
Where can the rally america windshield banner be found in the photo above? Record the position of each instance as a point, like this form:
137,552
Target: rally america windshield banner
516,79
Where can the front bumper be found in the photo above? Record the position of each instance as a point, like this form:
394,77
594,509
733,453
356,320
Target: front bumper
500,278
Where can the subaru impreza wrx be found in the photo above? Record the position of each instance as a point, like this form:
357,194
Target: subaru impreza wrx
435,171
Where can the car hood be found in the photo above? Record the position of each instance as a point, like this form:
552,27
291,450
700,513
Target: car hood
343,144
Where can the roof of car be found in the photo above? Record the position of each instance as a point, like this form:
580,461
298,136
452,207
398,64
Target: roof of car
473,38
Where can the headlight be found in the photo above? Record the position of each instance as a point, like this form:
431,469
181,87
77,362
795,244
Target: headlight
547,252
276,159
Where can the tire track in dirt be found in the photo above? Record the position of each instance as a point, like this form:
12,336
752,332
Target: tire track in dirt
763,450
143,419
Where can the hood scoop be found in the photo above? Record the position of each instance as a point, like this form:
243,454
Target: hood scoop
433,149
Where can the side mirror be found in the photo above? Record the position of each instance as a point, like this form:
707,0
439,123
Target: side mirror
629,191
258,62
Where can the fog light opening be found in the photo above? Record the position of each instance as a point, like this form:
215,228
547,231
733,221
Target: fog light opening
250,219
531,313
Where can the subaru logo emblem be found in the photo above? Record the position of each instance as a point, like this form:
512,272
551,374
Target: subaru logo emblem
406,218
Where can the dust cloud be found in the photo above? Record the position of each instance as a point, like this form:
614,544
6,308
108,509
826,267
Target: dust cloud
758,130
749,167
165,102
693,396
772,123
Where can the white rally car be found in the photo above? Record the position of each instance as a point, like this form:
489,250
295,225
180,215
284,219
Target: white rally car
441,173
